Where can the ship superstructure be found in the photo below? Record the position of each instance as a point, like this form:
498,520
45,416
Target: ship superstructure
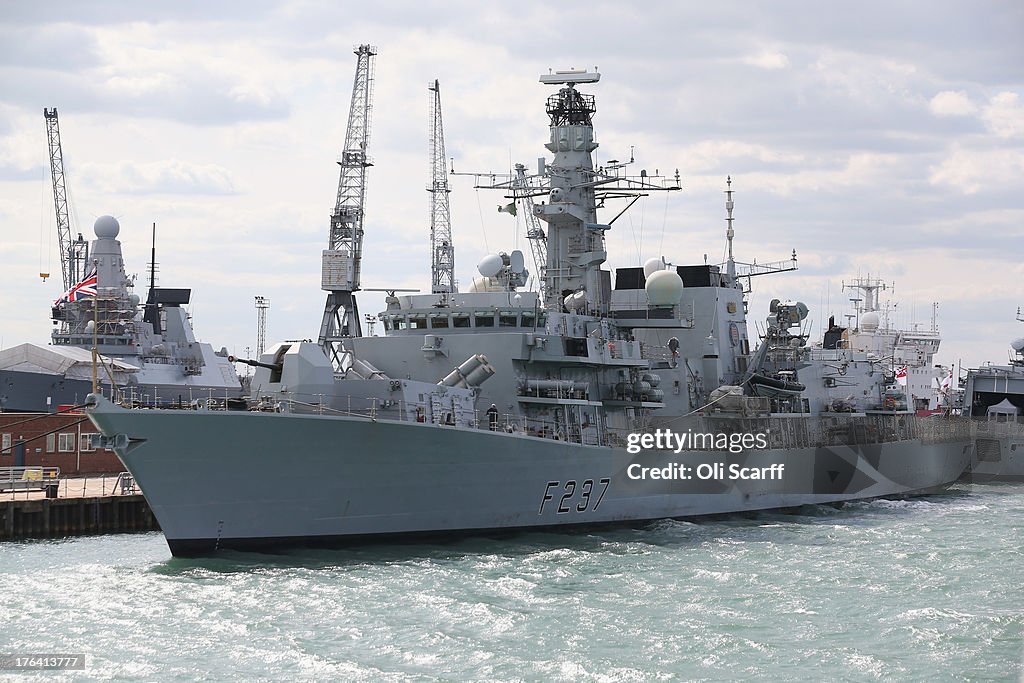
494,409
909,353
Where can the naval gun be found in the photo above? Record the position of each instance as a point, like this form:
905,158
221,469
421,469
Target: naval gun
274,367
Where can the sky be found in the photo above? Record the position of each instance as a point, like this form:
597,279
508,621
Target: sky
874,138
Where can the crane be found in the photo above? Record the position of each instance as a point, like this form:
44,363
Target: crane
343,256
534,231
74,255
442,267
262,304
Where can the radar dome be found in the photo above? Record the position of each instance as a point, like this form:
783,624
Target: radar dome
106,227
653,265
869,321
490,265
1017,345
664,288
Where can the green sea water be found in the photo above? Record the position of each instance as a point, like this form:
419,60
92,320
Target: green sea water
926,589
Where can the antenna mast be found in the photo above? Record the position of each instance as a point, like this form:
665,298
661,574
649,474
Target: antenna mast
73,255
442,266
343,257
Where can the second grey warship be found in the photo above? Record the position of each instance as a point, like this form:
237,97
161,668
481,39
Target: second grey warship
994,400
497,409
148,352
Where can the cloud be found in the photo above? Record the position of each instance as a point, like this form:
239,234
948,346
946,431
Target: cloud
767,59
160,177
1004,115
951,103
970,171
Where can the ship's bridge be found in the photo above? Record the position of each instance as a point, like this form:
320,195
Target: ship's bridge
462,313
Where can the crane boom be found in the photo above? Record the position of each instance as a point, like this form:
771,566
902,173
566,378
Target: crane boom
73,254
534,230
343,257
442,267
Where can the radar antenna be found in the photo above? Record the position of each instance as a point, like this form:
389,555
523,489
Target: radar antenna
74,255
442,267
343,256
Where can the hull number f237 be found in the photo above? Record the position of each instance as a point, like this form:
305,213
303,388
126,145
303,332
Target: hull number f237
574,496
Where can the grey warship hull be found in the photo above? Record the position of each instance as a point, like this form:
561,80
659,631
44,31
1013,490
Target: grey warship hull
250,481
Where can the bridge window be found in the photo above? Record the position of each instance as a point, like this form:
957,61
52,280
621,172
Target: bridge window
507,319
439,322
460,320
417,322
484,319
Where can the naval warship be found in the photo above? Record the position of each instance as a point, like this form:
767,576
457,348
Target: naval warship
909,353
498,409
994,400
148,353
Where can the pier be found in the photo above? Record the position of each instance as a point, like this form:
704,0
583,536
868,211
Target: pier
86,505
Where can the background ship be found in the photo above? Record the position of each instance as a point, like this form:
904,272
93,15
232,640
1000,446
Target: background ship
994,399
148,352
385,437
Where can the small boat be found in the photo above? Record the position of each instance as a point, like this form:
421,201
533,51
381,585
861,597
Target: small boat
775,387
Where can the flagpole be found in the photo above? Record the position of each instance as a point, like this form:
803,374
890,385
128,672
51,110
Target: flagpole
95,326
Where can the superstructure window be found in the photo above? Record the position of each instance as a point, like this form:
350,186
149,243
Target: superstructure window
460,320
417,322
508,320
439,322
484,319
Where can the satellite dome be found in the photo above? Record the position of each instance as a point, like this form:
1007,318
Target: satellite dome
106,227
1017,345
869,321
664,288
490,265
653,265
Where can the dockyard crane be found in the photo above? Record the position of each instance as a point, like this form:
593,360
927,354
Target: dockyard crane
74,255
442,268
262,305
343,256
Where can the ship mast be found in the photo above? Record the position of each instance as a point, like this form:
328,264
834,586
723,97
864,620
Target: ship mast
442,266
343,257
73,255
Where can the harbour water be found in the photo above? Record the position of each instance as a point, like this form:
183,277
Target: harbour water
923,589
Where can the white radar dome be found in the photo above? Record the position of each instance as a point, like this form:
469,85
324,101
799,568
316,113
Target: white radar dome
490,265
1017,345
106,227
869,321
664,288
653,265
